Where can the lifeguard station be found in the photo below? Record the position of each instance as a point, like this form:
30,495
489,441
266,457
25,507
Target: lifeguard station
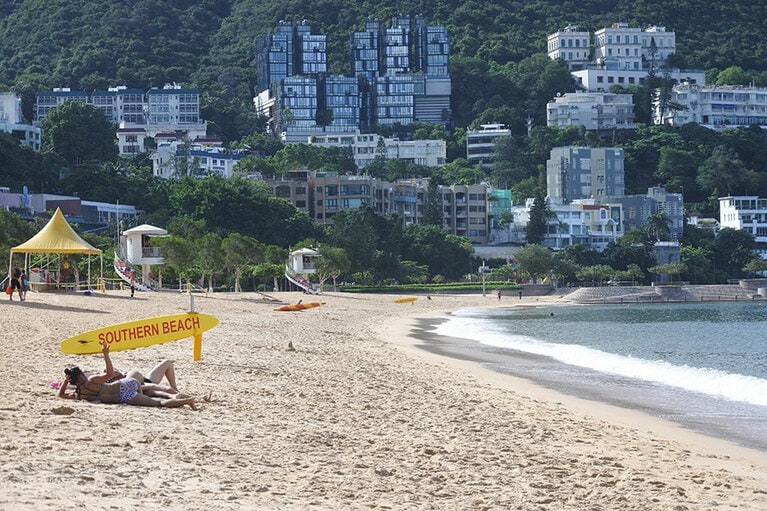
301,264
137,251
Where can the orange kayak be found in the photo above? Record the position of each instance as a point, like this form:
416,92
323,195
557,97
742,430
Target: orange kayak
299,306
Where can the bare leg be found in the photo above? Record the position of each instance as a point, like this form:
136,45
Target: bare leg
153,390
177,403
163,369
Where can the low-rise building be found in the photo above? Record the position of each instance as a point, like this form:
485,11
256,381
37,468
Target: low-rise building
581,222
480,144
715,107
367,147
176,157
594,111
12,122
747,212
572,45
140,115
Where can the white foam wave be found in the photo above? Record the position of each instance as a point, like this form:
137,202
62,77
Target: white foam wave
714,382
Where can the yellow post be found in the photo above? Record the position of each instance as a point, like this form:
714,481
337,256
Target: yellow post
197,347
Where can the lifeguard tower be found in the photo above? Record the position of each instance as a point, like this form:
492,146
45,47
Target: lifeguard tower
301,263
136,250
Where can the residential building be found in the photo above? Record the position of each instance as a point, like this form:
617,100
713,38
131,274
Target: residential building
585,173
366,148
294,187
48,100
399,75
176,157
638,208
715,107
598,78
595,111
465,211
747,212
140,115
333,193
581,222
12,122
480,144
405,198
622,55
571,45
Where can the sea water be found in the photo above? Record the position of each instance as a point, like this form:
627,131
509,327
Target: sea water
703,365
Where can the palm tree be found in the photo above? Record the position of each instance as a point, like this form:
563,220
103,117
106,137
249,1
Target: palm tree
659,226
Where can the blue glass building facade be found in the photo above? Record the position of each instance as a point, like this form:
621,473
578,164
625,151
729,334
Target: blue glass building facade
399,75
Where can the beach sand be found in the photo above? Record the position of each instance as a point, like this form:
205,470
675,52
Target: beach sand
356,417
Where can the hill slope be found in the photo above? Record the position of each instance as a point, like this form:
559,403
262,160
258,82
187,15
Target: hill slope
90,44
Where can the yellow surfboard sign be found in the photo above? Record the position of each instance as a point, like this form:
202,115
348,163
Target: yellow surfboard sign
140,333
406,300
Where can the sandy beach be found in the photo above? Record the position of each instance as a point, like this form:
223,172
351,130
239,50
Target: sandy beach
356,417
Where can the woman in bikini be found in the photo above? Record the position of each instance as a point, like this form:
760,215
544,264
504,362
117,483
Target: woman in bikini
113,387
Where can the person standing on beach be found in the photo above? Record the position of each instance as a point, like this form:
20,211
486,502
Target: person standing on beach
24,280
499,296
16,282
132,283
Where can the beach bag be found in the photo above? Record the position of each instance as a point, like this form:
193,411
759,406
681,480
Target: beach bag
9,290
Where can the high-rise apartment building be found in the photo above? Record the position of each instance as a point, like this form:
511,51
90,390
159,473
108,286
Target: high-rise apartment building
399,75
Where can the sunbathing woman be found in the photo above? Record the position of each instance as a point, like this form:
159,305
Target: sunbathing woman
126,389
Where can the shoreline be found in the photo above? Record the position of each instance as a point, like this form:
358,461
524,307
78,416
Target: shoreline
355,417
533,370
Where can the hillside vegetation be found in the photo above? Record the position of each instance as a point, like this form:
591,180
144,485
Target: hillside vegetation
208,44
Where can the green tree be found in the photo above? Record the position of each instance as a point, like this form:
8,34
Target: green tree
659,226
699,264
209,256
178,253
538,222
79,133
432,208
596,274
443,253
733,250
239,252
724,172
265,271
331,265
534,260
671,269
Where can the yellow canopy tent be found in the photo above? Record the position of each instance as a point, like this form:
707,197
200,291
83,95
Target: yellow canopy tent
57,237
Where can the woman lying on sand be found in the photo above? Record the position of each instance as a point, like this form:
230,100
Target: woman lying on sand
113,387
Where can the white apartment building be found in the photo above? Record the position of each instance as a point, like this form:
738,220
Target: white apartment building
599,78
12,122
622,56
748,213
571,45
631,48
582,222
480,144
176,158
367,147
716,107
139,115
592,110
